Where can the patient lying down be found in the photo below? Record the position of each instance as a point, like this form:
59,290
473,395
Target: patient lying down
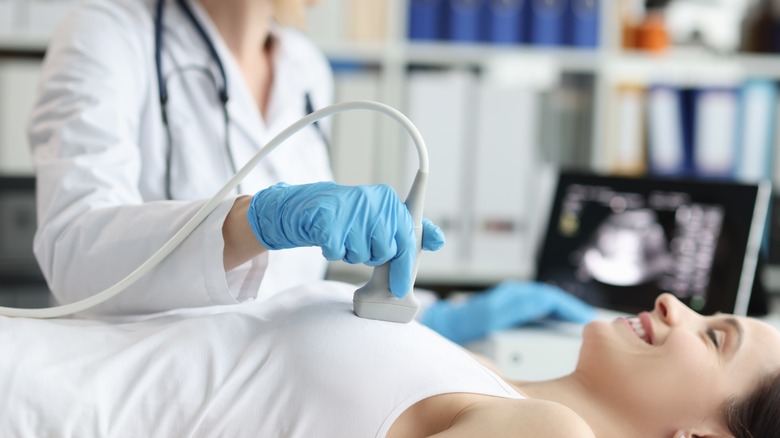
316,370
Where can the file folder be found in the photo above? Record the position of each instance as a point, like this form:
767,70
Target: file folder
582,23
425,18
18,88
626,151
666,150
353,155
506,177
326,22
546,22
367,20
462,18
715,132
503,21
757,130
441,106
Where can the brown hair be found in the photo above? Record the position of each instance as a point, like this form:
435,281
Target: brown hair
758,414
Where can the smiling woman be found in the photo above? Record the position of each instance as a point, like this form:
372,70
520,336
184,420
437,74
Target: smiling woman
697,373
283,368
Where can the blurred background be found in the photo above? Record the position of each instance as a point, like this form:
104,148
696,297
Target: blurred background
506,93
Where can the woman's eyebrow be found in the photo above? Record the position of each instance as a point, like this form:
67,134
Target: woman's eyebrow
740,333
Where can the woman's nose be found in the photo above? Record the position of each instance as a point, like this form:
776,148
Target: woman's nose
669,309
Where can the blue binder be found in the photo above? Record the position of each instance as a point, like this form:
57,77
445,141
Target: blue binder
462,18
688,97
582,23
425,18
503,21
546,22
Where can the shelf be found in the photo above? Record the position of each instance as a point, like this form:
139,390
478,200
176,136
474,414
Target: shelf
690,67
680,66
470,54
23,42
360,52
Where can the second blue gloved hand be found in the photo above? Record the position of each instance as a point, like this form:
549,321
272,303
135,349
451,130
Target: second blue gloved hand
361,224
507,305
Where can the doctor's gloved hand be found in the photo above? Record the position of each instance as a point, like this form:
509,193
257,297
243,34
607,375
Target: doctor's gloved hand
510,304
360,224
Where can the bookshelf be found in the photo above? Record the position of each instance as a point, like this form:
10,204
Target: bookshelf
394,56
608,65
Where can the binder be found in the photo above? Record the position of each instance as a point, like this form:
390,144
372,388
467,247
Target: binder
7,17
44,16
546,22
505,179
715,116
666,150
503,21
18,91
367,20
441,106
326,21
353,156
757,130
582,23
756,137
425,19
626,151
462,19
567,123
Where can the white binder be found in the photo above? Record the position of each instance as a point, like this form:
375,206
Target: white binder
355,139
506,177
440,104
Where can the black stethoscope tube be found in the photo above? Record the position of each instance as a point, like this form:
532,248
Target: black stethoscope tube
221,91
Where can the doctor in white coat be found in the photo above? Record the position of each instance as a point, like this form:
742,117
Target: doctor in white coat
147,107
114,182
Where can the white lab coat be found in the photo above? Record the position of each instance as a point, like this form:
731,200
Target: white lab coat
99,148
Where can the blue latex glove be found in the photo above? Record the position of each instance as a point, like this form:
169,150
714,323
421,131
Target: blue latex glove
507,305
361,224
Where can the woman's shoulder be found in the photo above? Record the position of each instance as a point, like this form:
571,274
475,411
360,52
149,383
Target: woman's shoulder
524,417
553,419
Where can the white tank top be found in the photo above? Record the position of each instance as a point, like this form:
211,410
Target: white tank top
311,370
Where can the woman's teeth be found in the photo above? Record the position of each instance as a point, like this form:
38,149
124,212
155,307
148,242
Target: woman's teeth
636,324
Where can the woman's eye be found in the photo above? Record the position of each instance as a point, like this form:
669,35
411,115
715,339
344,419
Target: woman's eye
714,337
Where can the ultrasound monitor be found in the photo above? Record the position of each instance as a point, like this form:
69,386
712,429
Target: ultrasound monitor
618,242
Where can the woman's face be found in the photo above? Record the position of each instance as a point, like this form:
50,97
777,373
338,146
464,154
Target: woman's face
674,364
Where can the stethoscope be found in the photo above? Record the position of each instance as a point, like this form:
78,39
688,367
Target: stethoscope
222,89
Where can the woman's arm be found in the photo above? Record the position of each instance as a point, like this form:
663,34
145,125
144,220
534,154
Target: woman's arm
511,418
240,243
94,224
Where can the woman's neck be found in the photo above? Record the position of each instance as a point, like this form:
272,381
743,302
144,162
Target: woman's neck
604,418
245,28
243,24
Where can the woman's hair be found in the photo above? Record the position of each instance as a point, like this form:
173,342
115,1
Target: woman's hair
758,414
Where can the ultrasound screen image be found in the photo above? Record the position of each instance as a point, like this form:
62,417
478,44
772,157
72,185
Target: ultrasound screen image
619,242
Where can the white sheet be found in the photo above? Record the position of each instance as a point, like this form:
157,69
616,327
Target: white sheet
71,377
